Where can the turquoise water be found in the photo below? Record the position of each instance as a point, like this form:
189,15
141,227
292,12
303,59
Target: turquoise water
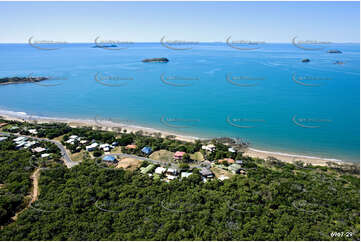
259,92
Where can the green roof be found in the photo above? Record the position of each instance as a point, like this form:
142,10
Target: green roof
145,170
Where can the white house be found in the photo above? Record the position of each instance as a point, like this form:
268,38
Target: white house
231,150
210,147
160,170
45,155
39,149
185,174
91,147
33,131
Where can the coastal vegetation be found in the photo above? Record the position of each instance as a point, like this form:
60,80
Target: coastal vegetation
273,200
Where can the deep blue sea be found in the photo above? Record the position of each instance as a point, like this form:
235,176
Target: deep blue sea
266,96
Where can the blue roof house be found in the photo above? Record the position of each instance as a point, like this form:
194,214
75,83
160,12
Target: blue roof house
147,150
109,158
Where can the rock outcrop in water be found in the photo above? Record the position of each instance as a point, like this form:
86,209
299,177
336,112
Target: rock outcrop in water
17,80
156,60
305,60
334,51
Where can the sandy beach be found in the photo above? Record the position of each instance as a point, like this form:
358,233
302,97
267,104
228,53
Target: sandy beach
112,126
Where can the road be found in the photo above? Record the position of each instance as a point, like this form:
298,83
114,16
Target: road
68,162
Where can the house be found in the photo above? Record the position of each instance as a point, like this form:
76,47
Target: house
206,172
109,158
91,147
231,149
131,147
114,143
20,144
3,124
83,141
29,144
178,155
74,137
45,155
39,149
172,171
210,147
70,141
185,174
19,139
160,170
234,168
105,147
33,131
228,160
3,138
222,177
145,170
239,162
147,150
170,177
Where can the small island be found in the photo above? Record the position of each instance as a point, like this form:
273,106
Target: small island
105,46
334,51
305,60
163,60
18,80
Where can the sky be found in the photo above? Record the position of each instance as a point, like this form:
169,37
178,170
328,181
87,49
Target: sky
186,21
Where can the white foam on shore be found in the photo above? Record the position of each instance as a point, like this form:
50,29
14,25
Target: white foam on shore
293,155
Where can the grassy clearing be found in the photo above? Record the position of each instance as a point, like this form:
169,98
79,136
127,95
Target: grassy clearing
197,156
162,155
129,163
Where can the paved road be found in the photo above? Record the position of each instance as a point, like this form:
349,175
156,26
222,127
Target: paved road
68,162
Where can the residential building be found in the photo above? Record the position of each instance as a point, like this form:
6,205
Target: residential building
185,174
91,147
210,147
160,170
178,155
109,158
145,170
147,150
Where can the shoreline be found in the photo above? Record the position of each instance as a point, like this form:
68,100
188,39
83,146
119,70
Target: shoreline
109,125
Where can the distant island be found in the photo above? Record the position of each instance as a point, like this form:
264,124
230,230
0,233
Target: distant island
18,80
105,46
156,60
334,51
305,60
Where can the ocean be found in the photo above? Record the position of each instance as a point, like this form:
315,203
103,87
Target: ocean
265,95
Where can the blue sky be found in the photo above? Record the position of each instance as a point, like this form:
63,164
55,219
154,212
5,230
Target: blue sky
189,21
